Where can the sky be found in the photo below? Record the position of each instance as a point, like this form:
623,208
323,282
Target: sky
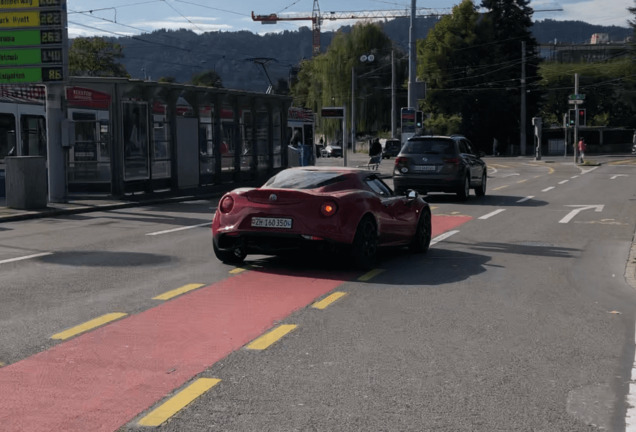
133,17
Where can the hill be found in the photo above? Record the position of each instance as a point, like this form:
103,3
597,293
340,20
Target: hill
240,57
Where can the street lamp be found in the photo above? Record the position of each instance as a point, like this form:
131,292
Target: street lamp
364,58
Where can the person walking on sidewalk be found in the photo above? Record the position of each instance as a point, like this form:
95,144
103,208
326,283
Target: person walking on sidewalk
582,148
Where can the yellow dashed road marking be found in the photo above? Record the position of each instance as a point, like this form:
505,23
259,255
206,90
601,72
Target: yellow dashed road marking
370,275
179,401
177,292
269,338
89,325
322,304
501,187
522,181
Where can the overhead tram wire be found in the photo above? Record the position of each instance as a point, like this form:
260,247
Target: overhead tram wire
137,38
183,16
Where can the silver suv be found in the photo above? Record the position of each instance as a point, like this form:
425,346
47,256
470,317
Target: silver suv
440,164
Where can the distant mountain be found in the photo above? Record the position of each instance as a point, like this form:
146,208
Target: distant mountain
244,60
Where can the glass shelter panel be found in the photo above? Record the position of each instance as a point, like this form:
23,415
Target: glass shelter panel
89,157
160,143
230,139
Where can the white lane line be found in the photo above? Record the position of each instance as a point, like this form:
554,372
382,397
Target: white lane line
26,257
444,236
564,181
573,177
179,229
630,415
528,198
491,214
548,189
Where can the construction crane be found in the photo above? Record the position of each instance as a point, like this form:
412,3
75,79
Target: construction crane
316,18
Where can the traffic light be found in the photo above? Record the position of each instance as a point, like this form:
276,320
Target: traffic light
419,119
572,117
581,114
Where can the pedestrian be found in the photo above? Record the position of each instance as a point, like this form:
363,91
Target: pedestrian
376,148
582,148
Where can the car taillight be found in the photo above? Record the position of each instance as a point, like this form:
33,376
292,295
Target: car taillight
453,161
328,208
226,205
401,165
401,161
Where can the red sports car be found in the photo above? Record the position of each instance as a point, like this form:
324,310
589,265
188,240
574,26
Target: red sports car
330,209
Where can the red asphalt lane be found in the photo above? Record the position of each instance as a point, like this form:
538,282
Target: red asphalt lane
101,380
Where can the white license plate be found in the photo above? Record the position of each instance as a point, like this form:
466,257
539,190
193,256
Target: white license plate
266,222
424,167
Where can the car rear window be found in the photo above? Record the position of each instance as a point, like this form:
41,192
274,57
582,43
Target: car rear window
429,146
303,179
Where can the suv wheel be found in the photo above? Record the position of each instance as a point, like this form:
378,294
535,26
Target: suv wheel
464,191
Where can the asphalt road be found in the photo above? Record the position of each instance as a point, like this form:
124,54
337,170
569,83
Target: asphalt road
520,318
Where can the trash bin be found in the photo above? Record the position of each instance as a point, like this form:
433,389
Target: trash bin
25,182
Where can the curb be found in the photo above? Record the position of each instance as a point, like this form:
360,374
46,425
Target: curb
54,212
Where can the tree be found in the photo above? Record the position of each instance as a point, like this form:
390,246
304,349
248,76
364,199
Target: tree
207,79
95,56
472,65
325,80
448,60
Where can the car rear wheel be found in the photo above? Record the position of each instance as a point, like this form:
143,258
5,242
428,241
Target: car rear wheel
233,256
364,250
481,189
422,239
464,191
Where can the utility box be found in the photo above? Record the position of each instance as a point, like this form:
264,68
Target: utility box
26,182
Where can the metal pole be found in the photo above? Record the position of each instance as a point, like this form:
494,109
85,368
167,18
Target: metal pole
56,151
576,117
344,135
393,97
522,136
353,112
412,59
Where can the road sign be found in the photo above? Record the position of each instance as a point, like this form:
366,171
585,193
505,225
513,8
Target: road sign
408,120
332,112
33,39
576,97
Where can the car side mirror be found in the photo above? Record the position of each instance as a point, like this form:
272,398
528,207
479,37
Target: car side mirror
411,195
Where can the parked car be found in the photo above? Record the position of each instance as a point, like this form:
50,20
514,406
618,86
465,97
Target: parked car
440,164
391,148
333,150
324,209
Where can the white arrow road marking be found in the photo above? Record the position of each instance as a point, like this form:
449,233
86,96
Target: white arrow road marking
597,208
614,177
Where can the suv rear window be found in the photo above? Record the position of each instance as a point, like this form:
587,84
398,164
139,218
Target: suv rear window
429,146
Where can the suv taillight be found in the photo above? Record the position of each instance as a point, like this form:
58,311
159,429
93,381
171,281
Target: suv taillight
453,161
401,161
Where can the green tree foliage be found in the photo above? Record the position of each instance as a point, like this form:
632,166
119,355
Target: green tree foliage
608,98
325,80
207,79
95,56
472,64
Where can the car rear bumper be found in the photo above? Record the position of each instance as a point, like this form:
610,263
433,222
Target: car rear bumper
427,184
273,244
